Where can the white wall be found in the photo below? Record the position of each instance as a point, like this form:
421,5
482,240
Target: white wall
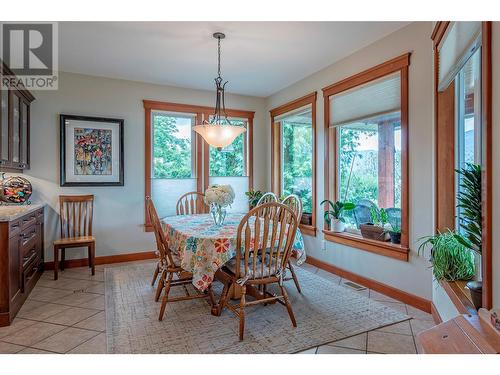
119,211
413,276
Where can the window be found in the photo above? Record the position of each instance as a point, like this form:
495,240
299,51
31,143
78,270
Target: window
366,120
178,161
293,157
231,166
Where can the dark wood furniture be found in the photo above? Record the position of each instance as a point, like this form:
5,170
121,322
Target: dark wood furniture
14,126
465,334
171,273
265,235
76,212
21,258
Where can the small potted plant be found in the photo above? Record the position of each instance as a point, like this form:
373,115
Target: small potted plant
253,197
335,216
377,229
395,233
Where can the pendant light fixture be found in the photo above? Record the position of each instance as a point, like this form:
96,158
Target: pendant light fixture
218,131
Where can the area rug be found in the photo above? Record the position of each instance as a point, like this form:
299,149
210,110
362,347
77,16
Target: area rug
325,312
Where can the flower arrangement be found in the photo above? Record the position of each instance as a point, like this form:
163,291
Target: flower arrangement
223,195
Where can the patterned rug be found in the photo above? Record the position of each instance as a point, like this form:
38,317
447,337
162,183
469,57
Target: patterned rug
325,312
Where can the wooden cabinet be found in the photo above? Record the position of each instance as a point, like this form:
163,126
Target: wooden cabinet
21,259
14,127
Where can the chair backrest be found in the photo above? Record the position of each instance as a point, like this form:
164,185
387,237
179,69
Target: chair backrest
192,203
161,241
76,213
362,214
265,233
267,198
295,204
394,216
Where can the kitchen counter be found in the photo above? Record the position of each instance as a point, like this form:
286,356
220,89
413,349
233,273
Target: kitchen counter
11,212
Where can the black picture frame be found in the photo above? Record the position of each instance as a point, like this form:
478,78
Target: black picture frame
63,118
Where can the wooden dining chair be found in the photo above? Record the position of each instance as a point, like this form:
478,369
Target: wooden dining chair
268,197
171,273
75,213
192,203
295,204
270,226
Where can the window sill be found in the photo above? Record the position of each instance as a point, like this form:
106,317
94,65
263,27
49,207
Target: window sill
459,296
308,230
373,246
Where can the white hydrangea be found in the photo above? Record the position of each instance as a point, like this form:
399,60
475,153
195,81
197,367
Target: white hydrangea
222,195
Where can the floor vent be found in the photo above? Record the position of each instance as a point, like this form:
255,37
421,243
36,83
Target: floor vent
355,286
79,291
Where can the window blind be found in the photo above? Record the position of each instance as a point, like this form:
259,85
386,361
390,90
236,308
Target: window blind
297,113
369,100
458,44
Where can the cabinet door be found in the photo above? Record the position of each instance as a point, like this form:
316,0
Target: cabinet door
4,127
14,267
25,133
15,129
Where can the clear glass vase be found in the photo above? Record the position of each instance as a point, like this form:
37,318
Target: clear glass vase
218,213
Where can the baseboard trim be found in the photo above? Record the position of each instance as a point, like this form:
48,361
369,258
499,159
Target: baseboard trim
435,314
107,259
400,295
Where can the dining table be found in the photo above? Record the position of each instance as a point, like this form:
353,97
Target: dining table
203,247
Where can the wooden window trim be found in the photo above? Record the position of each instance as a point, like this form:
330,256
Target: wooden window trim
487,138
398,64
234,113
459,296
309,99
201,113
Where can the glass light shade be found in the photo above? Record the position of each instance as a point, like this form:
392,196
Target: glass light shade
218,135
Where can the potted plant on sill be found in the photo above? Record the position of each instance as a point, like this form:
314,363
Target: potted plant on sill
253,197
335,217
377,229
395,234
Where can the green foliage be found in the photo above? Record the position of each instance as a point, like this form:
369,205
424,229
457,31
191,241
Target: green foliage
337,210
469,205
395,228
171,153
253,197
451,260
297,162
230,161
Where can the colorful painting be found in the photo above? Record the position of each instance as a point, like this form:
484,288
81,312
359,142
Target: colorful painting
92,148
91,151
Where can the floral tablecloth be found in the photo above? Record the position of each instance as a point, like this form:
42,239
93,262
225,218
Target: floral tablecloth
204,247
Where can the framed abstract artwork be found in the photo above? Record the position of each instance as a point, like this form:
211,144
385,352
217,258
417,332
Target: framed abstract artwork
91,152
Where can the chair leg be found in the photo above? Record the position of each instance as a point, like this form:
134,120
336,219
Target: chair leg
288,306
56,261
165,296
155,275
213,303
92,258
161,284
294,276
63,258
242,311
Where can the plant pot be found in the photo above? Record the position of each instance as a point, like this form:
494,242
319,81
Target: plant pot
476,292
395,237
337,226
373,232
306,219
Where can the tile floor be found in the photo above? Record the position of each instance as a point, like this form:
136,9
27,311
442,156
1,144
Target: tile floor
67,316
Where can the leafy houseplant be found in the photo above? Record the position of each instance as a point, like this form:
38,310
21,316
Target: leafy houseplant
451,260
376,230
334,217
253,197
395,234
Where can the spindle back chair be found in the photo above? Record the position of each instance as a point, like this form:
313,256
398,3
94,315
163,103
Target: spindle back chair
295,204
191,203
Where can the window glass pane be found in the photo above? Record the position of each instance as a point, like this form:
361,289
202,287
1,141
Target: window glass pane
173,160
370,162
172,146
296,157
230,161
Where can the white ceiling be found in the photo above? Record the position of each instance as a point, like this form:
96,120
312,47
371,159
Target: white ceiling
258,58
